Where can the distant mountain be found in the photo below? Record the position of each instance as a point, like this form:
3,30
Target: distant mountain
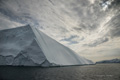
110,61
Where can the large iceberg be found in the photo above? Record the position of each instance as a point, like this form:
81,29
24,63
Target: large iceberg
28,46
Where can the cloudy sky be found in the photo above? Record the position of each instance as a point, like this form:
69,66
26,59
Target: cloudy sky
89,27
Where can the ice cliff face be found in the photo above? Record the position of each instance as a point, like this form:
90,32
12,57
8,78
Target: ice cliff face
20,47
28,46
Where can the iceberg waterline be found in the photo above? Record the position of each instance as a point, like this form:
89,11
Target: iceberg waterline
29,46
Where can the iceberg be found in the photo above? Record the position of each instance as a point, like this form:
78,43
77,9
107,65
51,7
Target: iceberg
28,46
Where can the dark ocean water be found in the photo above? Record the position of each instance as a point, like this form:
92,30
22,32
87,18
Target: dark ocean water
88,72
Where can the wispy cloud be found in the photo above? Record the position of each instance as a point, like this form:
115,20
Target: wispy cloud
97,42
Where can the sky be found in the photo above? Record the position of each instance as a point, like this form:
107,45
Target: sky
89,27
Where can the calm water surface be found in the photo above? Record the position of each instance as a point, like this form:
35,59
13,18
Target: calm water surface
90,72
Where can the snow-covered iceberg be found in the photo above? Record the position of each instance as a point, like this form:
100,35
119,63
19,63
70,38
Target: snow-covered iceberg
28,46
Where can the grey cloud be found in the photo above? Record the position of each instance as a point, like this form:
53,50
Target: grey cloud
51,2
114,24
5,23
97,42
73,42
23,18
90,15
69,39
93,19
81,7
115,4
